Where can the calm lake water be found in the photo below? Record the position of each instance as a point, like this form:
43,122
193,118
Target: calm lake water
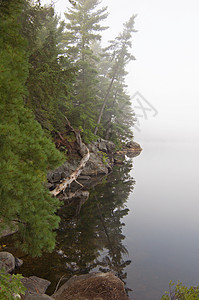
142,222
162,227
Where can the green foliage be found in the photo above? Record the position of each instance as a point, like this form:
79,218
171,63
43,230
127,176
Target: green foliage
83,27
181,292
117,117
51,75
25,153
10,285
104,157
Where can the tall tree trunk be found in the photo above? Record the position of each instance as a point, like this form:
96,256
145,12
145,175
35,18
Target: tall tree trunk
104,104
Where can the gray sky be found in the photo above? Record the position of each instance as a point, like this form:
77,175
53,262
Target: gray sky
166,69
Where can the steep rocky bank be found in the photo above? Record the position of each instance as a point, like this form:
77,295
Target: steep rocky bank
102,158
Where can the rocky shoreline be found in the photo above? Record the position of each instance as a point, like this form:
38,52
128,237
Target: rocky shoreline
92,286
103,156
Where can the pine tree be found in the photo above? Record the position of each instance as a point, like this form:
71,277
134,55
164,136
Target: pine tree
51,76
25,153
119,57
83,27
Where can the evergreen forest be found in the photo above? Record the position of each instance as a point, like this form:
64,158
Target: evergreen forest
50,70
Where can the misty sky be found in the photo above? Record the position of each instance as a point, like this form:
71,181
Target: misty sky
166,69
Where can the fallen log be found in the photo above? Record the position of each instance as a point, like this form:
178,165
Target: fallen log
85,157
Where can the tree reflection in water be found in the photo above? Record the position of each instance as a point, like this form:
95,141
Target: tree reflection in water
93,239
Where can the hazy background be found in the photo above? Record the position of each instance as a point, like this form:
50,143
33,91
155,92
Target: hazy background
166,69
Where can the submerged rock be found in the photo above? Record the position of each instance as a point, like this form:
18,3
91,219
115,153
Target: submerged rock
93,286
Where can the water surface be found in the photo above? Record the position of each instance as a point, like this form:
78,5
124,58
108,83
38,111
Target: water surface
162,227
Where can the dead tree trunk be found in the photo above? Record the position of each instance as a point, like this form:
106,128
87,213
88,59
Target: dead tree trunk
104,104
84,151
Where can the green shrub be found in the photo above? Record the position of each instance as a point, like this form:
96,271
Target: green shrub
104,157
10,286
181,292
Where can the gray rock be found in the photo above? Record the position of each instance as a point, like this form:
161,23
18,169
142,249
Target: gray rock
98,164
105,146
62,172
35,284
7,261
18,262
133,145
95,165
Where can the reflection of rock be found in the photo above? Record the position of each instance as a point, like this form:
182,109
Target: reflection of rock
132,154
101,286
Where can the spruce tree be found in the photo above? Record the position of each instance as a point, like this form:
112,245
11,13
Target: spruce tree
50,77
119,56
83,27
25,153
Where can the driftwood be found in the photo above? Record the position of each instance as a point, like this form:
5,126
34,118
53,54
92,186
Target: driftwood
84,151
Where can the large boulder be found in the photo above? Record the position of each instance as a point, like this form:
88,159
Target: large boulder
7,261
93,286
131,149
133,146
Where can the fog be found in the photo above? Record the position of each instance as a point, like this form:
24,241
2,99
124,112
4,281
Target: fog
166,69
